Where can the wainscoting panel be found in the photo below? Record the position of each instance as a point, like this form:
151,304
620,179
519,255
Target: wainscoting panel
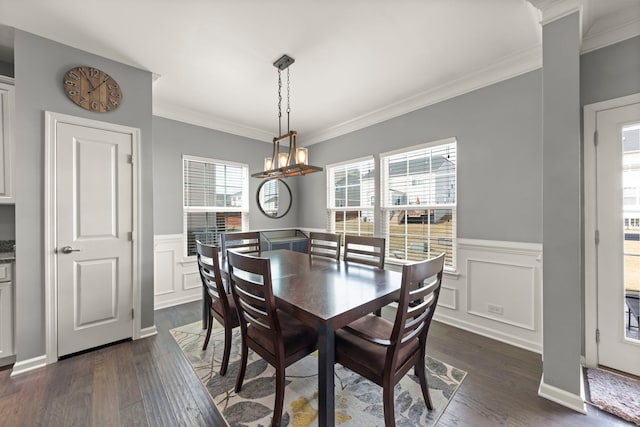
176,278
498,290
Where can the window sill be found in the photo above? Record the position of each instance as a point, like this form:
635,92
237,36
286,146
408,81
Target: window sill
396,265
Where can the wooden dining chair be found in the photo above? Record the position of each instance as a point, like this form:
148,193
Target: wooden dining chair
222,306
384,352
247,242
277,337
364,250
324,245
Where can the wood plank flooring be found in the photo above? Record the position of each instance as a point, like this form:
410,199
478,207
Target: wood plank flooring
149,383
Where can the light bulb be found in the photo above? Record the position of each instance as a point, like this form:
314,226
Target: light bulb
302,156
283,160
268,163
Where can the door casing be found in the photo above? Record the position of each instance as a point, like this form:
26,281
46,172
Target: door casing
590,252
51,295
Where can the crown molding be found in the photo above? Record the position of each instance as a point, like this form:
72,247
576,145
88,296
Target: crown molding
552,10
612,29
511,66
197,118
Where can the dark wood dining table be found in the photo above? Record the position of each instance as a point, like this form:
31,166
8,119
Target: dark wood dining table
328,294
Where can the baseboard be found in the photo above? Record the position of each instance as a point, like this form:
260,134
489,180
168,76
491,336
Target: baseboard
177,301
148,332
28,365
564,398
489,333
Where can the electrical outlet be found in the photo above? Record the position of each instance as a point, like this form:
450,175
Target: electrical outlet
496,309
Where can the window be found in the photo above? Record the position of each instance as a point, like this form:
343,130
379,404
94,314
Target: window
215,200
351,197
418,201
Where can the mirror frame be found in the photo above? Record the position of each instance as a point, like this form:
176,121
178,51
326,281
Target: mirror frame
259,202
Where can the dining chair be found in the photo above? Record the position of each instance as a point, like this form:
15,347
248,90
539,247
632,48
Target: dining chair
277,337
324,245
384,352
246,242
222,306
364,250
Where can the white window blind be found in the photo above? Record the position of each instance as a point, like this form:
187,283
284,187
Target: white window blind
351,197
215,200
418,191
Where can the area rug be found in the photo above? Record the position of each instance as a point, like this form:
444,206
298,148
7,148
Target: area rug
358,401
614,393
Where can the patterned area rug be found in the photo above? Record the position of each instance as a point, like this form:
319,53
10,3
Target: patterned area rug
358,401
615,393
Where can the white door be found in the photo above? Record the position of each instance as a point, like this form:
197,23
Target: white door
94,250
618,250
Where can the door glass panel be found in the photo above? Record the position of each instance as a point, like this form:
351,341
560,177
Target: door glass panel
631,226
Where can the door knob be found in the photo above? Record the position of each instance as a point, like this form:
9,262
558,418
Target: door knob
68,250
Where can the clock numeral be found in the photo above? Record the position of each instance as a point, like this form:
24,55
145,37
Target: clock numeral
93,72
113,86
106,106
73,92
70,83
82,99
114,95
94,105
73,75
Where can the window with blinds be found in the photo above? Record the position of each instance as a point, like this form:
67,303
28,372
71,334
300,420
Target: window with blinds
418,201
215,200
351,197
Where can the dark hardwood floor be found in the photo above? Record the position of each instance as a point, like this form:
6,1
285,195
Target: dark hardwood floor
149,383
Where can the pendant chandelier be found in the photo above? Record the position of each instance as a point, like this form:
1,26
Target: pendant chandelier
295,161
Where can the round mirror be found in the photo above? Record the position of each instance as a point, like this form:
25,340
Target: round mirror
274,198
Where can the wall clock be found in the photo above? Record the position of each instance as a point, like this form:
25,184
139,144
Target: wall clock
92,89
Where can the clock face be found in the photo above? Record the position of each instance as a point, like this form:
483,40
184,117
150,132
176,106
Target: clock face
92,89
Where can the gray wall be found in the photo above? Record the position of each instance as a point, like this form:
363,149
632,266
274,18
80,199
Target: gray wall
39,67
172,139
611,72
498,129
7,222
6,69
562,210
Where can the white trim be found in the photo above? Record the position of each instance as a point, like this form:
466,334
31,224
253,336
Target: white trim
523,248
349,162
209,160
612,29
167,238
488,332
50,276
28,365
422,146
590,260
500,70
8,80
148,332
562,397
177,301
552,10
197,118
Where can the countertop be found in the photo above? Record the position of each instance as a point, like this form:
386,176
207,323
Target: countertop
6,257
7,251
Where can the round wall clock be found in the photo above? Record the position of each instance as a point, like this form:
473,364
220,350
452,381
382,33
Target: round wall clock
92,89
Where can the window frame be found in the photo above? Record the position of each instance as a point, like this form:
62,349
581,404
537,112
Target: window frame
385,209
243,209
332,209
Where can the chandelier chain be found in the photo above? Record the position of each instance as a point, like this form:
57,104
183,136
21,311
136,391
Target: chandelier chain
279,102
288,101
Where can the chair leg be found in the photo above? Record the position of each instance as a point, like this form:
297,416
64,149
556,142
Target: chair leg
279,403
209,327
227,350
422,376
378,312
243,367
387,403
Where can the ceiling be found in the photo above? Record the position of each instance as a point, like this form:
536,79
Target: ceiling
358,62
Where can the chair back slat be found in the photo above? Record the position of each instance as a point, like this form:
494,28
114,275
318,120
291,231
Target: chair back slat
251,287
364,250
209,268
324,244
246,242
419,294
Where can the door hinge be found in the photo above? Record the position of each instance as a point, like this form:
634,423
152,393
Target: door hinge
133,314
597,237
130,158
595,138
130,236
597,336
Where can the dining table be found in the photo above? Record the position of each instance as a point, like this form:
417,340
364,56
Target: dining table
328,294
